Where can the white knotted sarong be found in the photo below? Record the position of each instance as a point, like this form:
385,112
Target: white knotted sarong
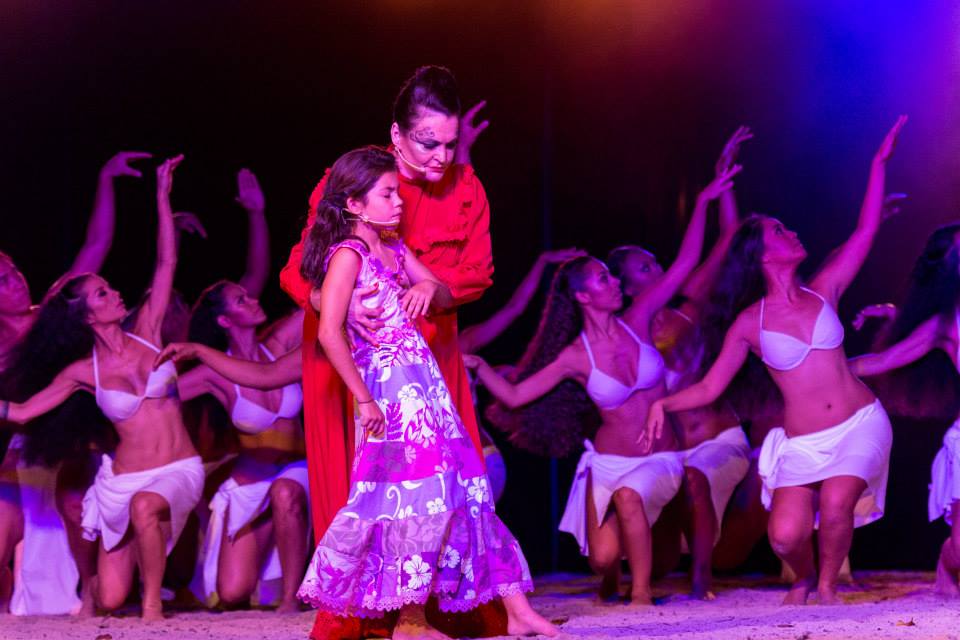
106,505
724,460
236,506
46,578
945,476
656,478
858,446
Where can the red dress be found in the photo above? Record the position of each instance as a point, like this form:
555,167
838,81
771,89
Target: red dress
447,226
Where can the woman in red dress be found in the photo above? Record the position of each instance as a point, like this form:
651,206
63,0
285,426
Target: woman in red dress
446,223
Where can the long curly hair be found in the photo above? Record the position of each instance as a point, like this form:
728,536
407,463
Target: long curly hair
929,387
556,424
59,337
739,284
353,175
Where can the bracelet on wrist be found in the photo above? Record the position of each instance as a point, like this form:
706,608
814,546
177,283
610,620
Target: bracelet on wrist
365,401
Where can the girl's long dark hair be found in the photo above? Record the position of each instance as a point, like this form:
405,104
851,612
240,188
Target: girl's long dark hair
929,387
353,175
739,284
556,424
59,337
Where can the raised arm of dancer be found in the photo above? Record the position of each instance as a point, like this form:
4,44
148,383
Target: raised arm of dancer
150,317
842,267
477,336
74,378
698,286
517,395
470,130
246,373
250,197
427,289
102,221
732,355
335,294
922,341
658,295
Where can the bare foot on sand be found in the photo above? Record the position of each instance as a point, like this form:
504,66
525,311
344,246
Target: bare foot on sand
947,581
609,589
530,624
639,599
152,612
412,625
88,601
827,594
522,620
288,606
798,592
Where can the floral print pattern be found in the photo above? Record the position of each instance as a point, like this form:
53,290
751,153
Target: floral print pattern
419,520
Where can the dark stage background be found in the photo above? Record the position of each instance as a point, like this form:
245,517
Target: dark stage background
606,119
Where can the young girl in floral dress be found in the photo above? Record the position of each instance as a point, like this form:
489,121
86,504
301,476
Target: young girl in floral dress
419,521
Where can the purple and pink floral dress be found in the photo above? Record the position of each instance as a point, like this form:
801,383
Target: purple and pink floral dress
419,520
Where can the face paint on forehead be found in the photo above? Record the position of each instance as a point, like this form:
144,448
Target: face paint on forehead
424,134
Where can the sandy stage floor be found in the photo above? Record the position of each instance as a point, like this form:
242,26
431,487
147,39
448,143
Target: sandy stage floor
884,605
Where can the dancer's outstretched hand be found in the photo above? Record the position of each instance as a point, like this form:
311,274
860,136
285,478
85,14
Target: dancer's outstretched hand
891,205
890,141
886,312
723,182
732,149
561,255
119,165
165,174
189,223
653,428
177,351
371,419
472,362
249,193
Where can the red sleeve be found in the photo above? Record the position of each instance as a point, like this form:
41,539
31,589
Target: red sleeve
290,279
474,274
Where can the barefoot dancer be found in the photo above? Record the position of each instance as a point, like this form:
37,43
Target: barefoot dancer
141,497
827,467
618,492
258,525
47,580
420,520
929,320
473,338
714,448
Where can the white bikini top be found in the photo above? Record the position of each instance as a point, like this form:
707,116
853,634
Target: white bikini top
250,417
608,392
119,405
783,352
